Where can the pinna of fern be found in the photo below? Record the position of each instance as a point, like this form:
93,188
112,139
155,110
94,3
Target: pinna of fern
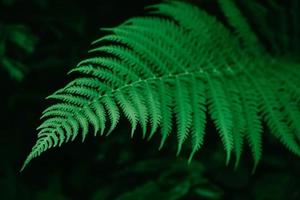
173,68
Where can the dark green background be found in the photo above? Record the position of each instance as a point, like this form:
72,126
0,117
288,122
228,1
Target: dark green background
57,36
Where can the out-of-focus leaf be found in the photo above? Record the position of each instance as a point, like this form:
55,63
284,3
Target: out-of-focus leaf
147,191
209,192
14,68
152,190
22,37
102,194
179,191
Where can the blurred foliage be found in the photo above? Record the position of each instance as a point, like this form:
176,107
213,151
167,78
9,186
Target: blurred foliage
277,23
15,38
18,38
39,41
170,180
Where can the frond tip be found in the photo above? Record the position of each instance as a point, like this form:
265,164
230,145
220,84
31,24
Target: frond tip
178,64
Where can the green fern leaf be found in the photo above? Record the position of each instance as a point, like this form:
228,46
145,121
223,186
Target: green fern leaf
219,109
198,103
169,71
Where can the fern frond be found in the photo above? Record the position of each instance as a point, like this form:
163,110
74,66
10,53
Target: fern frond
166,111
198,103
170,71
219,110
182,111
153,106
239,123
128,109
113,112
240,25
253,126
270,109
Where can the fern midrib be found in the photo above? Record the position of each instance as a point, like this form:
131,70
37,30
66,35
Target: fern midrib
111,93
147,80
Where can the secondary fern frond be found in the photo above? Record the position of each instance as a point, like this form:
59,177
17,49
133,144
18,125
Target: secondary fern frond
178,64
240,25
